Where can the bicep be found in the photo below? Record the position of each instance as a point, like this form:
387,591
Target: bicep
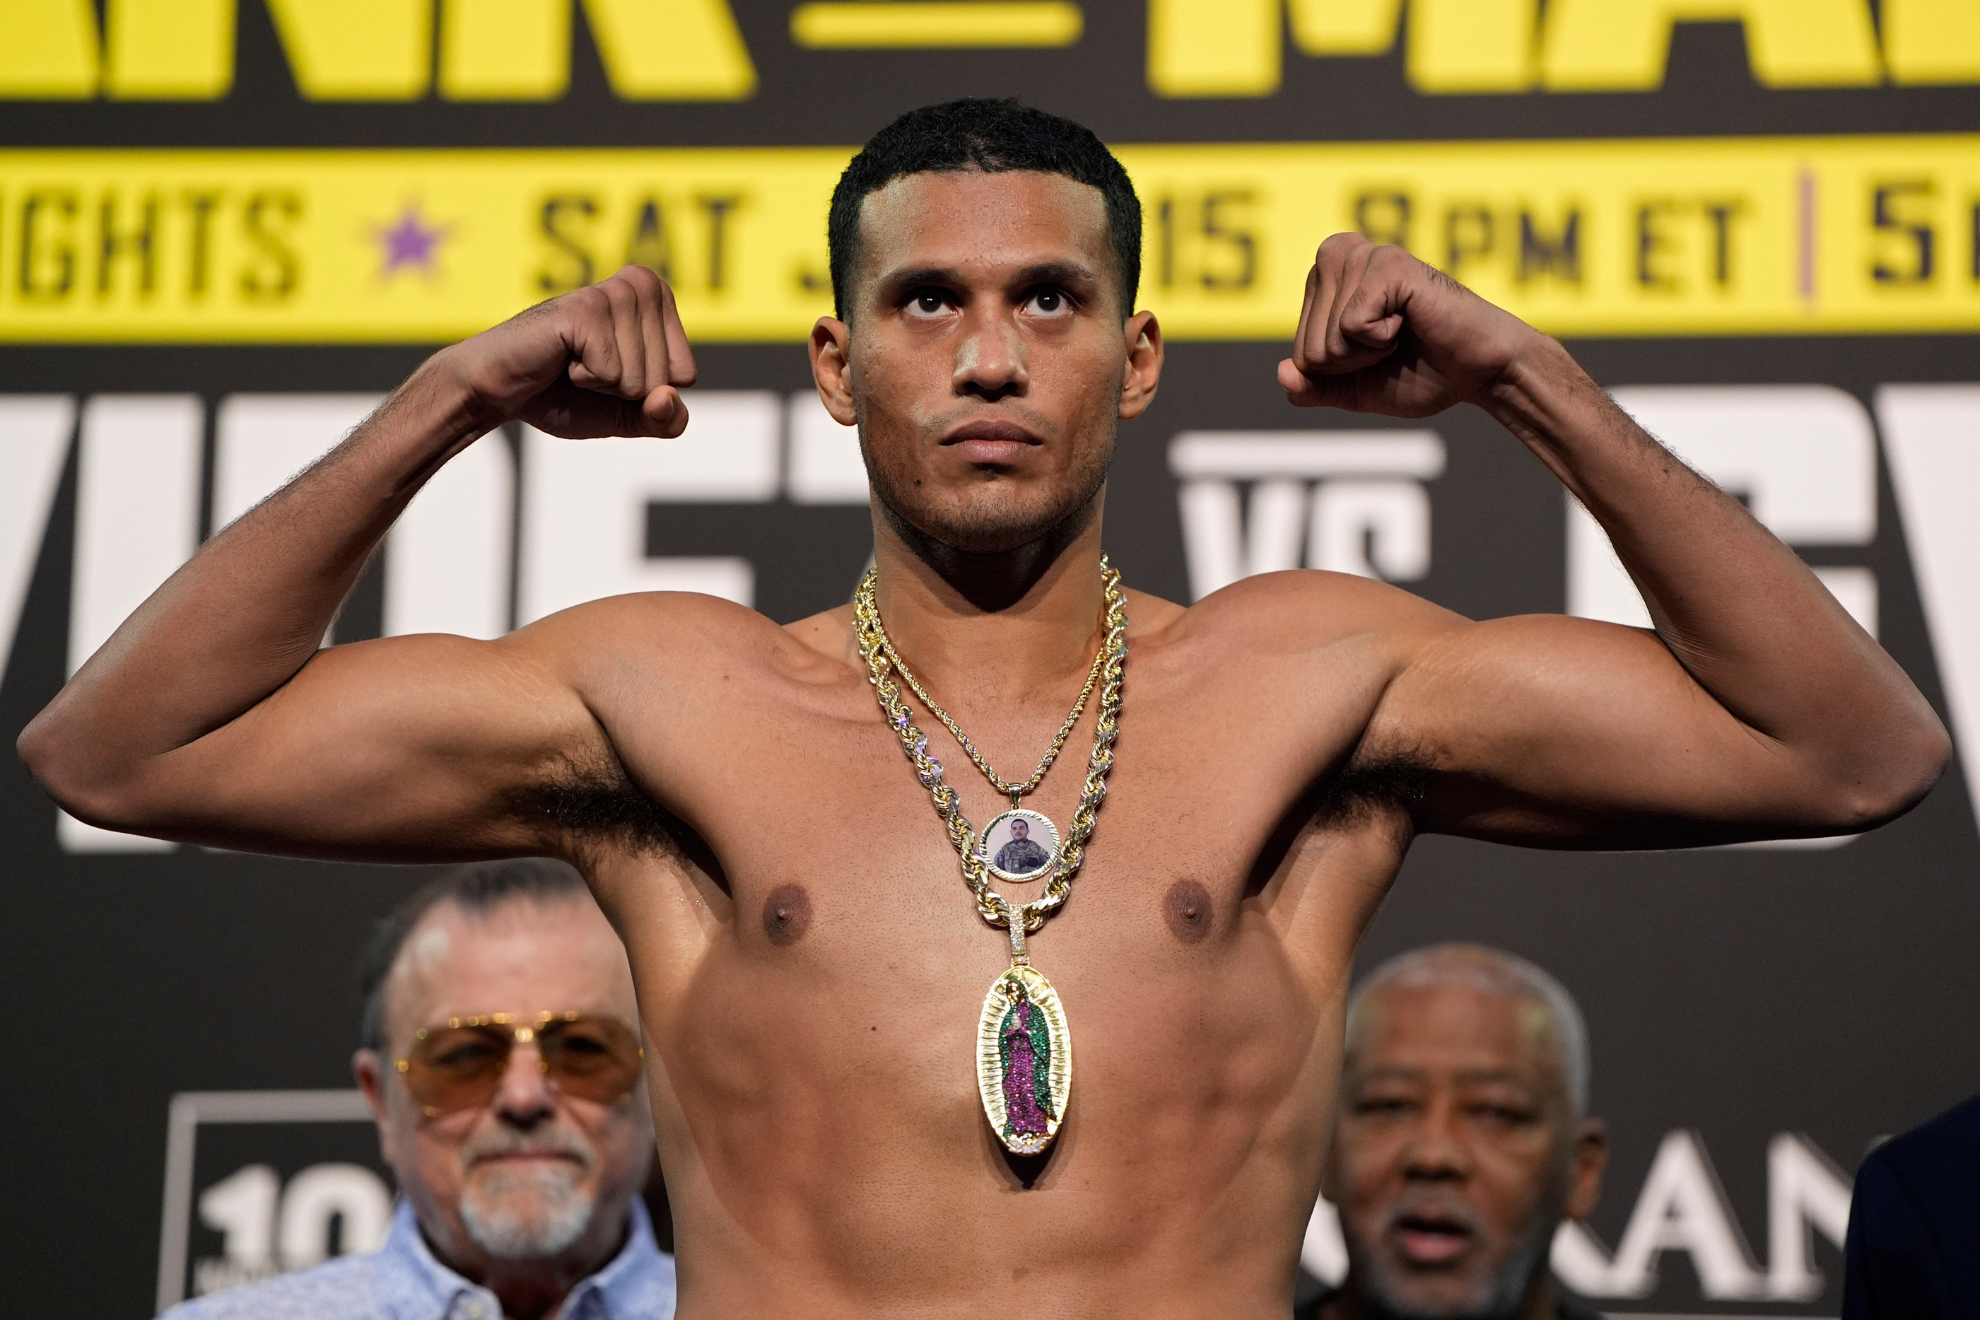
1549,730
407,749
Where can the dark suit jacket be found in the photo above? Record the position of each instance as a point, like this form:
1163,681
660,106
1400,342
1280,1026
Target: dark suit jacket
1914,1225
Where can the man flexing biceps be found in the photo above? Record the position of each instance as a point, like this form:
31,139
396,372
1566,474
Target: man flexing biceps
849,1124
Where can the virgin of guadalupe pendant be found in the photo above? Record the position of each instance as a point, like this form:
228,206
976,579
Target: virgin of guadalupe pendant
1024,1060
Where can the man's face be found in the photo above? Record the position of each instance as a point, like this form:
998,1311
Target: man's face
988,360
1019,830
1456,1153
532,1173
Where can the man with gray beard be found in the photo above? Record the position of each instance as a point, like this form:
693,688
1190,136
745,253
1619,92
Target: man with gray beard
1462,1140
501,1059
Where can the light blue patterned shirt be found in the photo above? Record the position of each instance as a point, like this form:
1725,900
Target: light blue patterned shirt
402,1281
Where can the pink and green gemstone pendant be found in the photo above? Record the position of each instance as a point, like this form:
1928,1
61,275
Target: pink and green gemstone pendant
1024,1060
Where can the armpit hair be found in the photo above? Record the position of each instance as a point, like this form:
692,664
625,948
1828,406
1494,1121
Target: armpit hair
1374,787
1373,780
599,803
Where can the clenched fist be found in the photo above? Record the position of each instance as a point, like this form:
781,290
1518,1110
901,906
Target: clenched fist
609,359
1382,332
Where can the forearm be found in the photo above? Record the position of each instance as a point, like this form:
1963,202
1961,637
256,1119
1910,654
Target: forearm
249,609
1738,609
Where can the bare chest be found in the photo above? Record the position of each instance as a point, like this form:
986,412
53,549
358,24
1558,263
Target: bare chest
1208,920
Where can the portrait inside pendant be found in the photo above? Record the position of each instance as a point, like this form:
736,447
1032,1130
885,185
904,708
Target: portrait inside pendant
1020,845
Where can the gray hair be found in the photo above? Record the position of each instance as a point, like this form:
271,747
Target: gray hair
1495,972
476,890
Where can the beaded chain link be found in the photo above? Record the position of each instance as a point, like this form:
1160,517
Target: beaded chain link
1110,665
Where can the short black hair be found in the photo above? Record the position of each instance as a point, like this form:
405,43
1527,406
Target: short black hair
994,136
479,890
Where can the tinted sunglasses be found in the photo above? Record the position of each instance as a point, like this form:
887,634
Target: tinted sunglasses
459,1063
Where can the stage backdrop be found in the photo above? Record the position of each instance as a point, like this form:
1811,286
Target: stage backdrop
226,228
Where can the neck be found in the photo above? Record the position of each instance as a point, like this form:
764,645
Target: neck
988,581
1540,1302
996,622
535,1288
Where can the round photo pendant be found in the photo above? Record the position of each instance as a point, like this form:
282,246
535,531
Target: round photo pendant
1021,844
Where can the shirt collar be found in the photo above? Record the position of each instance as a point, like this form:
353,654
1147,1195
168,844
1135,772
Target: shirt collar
635,1284
414,1285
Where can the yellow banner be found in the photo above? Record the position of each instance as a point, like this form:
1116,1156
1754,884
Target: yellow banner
1663,237
1667,237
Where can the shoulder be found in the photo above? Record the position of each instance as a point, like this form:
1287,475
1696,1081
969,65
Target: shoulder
668,620
1953,1134
339,1289
693,641
1301,627
1931,1165
1306,607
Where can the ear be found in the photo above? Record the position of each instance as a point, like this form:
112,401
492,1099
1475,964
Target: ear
831,367
1144,364
1591,1157
369,1068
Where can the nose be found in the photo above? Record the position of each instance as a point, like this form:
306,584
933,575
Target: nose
990,360
1436,1152
525,1098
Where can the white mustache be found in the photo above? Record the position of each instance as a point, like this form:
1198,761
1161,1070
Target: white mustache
503,1140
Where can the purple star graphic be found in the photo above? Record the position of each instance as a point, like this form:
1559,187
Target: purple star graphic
410,244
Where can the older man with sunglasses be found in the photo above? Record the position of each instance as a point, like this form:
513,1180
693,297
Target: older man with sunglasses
500,1058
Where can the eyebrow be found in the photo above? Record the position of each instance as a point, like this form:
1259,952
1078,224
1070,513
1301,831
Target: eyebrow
895,283
1058,272
1471,1076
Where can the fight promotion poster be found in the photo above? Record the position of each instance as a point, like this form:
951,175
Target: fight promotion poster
228,226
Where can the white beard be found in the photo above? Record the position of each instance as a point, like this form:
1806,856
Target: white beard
525,1214
531,1211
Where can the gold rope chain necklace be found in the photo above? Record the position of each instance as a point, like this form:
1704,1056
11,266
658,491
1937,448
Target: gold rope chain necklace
1002,785
1023,1045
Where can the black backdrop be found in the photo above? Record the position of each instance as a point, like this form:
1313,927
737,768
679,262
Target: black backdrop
1735,995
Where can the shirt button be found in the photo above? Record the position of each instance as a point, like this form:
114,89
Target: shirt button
476,1309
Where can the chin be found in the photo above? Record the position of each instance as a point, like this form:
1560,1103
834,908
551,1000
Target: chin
987,531
527,1216
1396,1294
976,512
988,518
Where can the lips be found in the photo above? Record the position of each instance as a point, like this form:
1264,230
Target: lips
1429,1238
504,1148
531,1157
990,444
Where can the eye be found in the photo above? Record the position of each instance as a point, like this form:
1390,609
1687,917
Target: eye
468,1056
1050,302
1382,1106
1501,1116
929,302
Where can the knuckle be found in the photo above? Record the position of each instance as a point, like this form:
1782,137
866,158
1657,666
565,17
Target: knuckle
1340,244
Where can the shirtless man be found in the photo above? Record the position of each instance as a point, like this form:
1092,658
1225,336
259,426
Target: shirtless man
813,1015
